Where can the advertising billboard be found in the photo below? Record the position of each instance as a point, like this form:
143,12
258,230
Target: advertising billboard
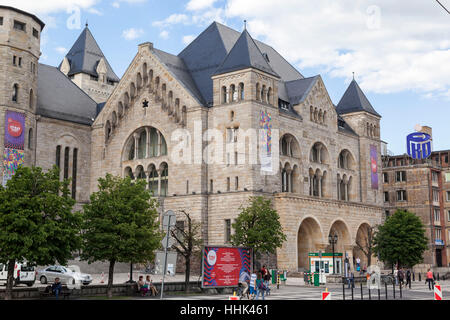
373,166
223,266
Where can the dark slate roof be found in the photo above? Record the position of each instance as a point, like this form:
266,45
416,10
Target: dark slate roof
297,90
354,100
207,52
85,55
245,54
59,98
344,127
179,70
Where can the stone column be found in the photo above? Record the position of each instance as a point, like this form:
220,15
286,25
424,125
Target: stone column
289,180
147,179
147,153
159,181
319,178
346,190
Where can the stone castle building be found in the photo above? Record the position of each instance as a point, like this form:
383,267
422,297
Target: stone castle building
166,118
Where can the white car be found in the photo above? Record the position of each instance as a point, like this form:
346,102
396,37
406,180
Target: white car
66,275
22,274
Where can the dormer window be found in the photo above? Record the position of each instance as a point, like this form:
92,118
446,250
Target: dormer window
283,104
35,33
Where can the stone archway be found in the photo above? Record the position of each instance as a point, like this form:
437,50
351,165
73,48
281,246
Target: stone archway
309,239
362,237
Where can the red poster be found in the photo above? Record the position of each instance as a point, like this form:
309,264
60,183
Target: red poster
223,266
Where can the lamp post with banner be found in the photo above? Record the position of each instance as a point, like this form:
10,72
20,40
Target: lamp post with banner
169,220
333,240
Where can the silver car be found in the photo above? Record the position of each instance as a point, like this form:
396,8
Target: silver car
66,275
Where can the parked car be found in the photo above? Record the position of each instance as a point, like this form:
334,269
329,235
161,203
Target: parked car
22,274
67,275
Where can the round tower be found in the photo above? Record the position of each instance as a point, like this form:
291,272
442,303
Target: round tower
20,34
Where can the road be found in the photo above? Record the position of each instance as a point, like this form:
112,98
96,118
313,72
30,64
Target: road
418,291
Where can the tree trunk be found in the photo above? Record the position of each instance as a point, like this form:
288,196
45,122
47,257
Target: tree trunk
110,277
188,272
10,280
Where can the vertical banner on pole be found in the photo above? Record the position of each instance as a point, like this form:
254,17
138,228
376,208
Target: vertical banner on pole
13,154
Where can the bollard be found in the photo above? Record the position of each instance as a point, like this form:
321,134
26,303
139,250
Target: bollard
393,287
361,291
420,277
379,297
370,298
400,290
414,277
352,293
343,290
385,286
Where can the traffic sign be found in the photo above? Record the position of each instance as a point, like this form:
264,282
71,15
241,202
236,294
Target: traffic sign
326,295
164,242
169,219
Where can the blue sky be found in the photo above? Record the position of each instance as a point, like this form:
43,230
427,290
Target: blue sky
400,56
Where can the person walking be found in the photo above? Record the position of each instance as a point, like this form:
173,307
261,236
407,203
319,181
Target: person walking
351,280
408,278
260,287
401,276
244,280
430,279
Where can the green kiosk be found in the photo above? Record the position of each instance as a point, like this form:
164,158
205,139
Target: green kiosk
321,265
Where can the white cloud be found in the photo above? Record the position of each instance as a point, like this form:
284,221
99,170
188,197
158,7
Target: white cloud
116,4
164,34
188,39
195,5
132,33
61,50
390,47
95,11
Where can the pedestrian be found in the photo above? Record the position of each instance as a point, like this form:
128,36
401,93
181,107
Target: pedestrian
351,280
244,281
408,278
401,276
252,285
56,287
150,286
142,288
260,287
430,279
358,264
396,276
266,277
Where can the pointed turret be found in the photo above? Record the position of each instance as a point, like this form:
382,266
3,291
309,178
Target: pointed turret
354,100
245,54
88,67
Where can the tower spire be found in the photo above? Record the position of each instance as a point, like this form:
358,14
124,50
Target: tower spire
245,24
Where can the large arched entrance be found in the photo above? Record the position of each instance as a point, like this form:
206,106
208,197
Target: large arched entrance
340,235
362,242
309,239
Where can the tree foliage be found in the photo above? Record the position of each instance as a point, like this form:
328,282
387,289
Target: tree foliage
401,239
120,224
258,227
36,220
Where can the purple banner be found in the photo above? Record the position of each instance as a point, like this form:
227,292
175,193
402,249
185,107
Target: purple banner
374,166
14,130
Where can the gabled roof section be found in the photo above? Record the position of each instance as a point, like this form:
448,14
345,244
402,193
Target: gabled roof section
245,54
207,52
85,55
179,70
59,98
354,100
297,90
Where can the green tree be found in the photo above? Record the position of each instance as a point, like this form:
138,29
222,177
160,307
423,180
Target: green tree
120,224
258,227
187,242
401,239
36,220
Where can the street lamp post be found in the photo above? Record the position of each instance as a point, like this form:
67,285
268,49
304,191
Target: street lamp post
333,240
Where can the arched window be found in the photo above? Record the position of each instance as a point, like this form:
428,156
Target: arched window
120,109
263,94
31,101
150,79
184,116
74,173
129,173
107,131
142,145
170,102
58,157
269,96
144,72
319,153
114,119
30,138
126,100
131,150
15,96
241,91
233,93
258,92
311,113
66,162
164,179
156,90
224,95
153,180
138,82
140,173
177,110
132,91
